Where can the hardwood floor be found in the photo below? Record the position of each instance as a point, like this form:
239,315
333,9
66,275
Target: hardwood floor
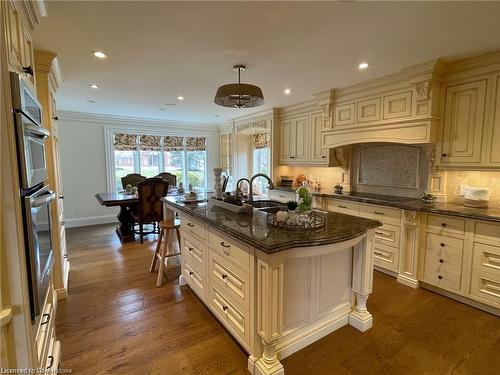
116,321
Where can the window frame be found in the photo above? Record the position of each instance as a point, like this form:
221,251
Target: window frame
110,161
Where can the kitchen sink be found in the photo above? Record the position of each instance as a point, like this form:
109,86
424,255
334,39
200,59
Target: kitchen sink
272,210
267,204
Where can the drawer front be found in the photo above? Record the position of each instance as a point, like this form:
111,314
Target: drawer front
343,207
385,257
445,245
231,278
446,225
235,318
434,275
194,252
190,225
486,258
384,214
195,280
229,250
388,235
447,262
485,287
489,232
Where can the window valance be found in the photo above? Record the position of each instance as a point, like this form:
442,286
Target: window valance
260,141
196,144
125,142
173,143
150,142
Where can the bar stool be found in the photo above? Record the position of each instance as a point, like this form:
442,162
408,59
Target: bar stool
162,252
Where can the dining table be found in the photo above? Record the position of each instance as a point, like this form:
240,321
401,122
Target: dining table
128,204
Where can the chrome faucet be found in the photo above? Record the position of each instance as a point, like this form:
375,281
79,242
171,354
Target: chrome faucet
250,193
238,185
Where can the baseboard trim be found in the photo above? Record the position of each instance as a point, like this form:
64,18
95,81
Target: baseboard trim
90,220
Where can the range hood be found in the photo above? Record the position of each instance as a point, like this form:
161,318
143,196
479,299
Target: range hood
400,108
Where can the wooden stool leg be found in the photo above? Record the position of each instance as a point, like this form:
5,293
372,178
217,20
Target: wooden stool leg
162,260
157,251
178,238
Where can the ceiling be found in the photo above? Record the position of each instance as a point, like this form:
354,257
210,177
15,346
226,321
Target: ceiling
160,50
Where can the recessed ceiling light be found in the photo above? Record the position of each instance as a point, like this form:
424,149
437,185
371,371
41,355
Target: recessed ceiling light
94,86
162,109
180,97
363,65
100,54
288,91
91,101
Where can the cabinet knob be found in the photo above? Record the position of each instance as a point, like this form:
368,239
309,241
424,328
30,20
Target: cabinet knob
440,277
442,244
190,249
323,157
441,261
28,70
47,319
443,224
190,273
224,308
55,118
223,276
444,155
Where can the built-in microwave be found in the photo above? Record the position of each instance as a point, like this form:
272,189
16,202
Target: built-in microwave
30,133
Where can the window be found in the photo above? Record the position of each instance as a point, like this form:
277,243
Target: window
148,155
261,162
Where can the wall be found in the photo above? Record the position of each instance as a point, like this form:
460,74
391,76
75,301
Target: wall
83,160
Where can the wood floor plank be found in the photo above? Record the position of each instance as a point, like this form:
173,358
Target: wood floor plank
116,321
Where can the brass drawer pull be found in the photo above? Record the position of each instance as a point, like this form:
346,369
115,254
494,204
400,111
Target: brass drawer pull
342,206
190,224
378,213
190,249
223,276
47,316
224,245
440,277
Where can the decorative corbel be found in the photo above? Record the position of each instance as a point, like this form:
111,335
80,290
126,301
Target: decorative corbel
343,155
423,90
430,151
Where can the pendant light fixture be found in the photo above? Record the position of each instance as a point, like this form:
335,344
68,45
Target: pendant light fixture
239,95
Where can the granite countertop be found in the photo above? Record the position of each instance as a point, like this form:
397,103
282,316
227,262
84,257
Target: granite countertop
253,229
445,208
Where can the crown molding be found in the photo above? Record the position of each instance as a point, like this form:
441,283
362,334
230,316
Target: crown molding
135,121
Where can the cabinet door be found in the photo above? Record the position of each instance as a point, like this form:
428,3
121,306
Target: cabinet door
287,140
318,153
463,123
492,139
13,34
300,139
27,59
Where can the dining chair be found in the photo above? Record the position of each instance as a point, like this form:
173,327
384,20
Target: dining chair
169,177
132,179
150,207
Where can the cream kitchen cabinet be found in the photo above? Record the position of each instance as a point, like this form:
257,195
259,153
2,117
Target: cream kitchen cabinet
301,142
294,140
18,39
463,123
492,139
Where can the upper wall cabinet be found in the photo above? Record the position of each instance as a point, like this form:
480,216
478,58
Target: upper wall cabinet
470,110
301,139
17,37
463,123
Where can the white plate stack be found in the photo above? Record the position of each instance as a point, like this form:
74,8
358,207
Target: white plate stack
477,197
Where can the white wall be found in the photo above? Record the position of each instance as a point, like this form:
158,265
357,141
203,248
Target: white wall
83,160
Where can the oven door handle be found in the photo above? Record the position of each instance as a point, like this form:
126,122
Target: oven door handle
36,130
44,199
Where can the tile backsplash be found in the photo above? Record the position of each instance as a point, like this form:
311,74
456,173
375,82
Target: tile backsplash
472,178
330,176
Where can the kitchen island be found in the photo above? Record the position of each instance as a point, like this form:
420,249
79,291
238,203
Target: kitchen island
276,290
